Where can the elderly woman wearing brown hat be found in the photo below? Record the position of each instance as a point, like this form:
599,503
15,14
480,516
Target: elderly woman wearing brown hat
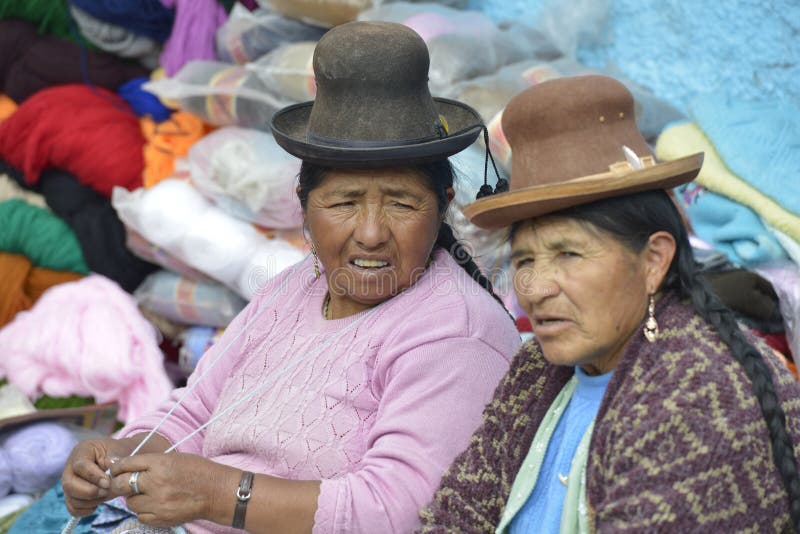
337,398
641,405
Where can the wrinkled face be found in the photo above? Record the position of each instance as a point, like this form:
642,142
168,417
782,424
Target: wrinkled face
374,231
584,292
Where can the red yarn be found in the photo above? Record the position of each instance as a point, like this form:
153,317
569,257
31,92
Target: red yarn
89,132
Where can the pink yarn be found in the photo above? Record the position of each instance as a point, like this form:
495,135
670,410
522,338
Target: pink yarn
193,33
86,338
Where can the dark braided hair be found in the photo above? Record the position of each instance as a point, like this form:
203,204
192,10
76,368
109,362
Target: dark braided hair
632,219
440,177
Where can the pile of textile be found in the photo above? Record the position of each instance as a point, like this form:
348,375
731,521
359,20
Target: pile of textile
143,199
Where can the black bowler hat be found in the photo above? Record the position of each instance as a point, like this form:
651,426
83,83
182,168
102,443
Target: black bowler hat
373,107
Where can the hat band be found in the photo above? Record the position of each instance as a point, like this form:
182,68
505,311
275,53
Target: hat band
346,143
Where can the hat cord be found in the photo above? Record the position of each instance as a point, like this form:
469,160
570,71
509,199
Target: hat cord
502,184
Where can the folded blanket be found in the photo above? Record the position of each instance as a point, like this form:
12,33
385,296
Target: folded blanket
730,227
687,138
758,142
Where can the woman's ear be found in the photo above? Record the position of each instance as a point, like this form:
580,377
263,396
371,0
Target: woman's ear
451,194
658,254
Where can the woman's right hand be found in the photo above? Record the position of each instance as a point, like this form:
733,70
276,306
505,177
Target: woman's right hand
84,479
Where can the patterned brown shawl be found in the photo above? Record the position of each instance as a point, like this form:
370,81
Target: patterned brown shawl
679,443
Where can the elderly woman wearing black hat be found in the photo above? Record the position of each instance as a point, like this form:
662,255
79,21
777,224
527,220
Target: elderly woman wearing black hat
336,399
641,405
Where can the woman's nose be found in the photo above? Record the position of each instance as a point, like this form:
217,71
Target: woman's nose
371,230
535,286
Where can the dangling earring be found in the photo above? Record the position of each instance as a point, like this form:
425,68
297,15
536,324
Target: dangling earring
316,261
651,326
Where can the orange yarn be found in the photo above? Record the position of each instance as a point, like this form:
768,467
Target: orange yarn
7,107
21,284
169,140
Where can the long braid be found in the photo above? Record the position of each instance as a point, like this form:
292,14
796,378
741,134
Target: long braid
449,242
709,306
632,219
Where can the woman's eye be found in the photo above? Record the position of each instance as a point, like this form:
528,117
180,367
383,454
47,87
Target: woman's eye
401,205
570,254
523,262
342,204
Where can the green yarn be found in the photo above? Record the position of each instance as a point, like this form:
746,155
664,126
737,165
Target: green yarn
50,16
39,235
46,402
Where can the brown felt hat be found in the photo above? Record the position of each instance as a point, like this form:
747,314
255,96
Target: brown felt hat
373,107
567,137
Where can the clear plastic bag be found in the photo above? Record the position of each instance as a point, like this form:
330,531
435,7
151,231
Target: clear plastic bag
289,71
490,94
248,35
187,301
463,44
221,94
176,217
248,175
333,12
489,248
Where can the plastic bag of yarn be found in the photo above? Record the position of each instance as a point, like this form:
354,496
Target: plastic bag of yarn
148,251
289,71
490,94
462,44
175,216
36,455
333,12
246,36
221,94
320,12
195,342
248,175
489,248
186,301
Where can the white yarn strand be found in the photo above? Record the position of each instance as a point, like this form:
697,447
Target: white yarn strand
73,522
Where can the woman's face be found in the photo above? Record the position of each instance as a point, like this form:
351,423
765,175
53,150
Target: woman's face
374,231
584,292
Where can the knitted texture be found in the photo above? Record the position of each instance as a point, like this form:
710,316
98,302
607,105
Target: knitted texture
758,141
683,139
41,236
377,413
679,443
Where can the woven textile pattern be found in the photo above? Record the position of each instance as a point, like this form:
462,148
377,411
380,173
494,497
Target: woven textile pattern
679,443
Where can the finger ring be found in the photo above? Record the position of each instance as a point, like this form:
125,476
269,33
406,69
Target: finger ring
133,482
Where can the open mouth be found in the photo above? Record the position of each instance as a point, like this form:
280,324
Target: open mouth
369,264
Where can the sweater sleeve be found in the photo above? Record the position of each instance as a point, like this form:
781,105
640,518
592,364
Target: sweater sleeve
206,383
431,401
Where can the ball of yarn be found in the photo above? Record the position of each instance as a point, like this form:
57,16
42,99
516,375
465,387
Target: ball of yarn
37,454
5,475
143,102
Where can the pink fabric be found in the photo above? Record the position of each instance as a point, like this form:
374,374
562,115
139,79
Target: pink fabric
377,415
193,33
86,338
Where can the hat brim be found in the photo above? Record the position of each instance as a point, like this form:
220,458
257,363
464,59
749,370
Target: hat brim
289,127
501,210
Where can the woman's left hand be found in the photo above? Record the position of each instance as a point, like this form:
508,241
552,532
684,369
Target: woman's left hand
174,488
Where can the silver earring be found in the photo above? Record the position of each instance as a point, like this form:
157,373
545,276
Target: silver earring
316,261
651,326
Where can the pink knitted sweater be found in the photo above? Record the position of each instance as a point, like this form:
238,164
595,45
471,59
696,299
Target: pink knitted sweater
376,413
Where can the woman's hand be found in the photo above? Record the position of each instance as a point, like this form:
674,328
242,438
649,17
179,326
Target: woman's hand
85,482
174,488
